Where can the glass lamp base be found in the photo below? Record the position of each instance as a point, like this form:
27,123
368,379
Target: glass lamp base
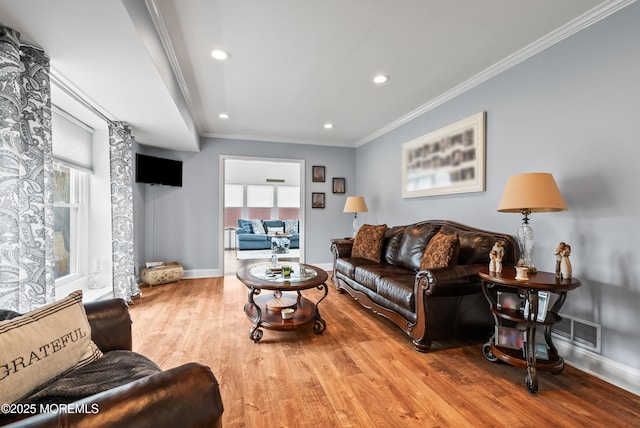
525,242
356,226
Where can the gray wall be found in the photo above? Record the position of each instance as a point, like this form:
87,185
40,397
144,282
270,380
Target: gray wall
572,110
183,223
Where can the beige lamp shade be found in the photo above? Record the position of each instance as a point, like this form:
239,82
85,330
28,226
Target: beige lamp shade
355,204
532,192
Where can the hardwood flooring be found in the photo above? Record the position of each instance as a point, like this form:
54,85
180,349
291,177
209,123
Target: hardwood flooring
361,372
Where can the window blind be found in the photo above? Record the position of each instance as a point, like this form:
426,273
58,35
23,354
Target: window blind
234,195
259,196
72,141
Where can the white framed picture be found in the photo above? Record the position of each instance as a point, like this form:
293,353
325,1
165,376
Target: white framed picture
448,160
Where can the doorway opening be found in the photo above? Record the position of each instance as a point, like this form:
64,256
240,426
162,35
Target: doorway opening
265,194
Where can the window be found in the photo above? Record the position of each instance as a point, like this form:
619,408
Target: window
260,201
288,202
68,211
233,203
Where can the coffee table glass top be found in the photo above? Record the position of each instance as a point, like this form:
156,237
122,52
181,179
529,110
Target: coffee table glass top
299,273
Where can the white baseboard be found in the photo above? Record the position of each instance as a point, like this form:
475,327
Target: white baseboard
324,266
603,368
201,273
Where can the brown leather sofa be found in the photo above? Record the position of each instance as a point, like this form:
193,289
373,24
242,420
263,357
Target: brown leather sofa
185,396
428,305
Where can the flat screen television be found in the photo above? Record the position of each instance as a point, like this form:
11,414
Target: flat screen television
154,170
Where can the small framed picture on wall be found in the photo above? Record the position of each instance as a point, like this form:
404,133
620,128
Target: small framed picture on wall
317,173
339,185
317,200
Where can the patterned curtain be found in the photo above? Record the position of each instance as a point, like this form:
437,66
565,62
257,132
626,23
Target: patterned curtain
26,176
121,159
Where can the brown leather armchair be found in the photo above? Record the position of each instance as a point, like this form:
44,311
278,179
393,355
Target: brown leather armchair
185,396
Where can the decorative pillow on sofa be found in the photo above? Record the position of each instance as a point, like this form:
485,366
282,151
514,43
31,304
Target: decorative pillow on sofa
38,346
291,226
245,225
274,230
368,242
441,251
257,226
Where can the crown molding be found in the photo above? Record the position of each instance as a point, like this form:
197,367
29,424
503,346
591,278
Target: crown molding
273,139
583,21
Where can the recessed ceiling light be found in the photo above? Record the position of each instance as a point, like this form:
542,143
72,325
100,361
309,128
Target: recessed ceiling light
223,116
328,125
220,54
380,79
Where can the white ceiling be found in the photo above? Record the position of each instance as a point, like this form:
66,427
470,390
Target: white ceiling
295,64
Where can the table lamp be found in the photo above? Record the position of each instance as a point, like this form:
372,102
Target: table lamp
355,205
529,193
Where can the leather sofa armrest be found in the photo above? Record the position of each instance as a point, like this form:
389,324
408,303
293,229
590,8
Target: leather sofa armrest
341,248
450,281
110,324
186,396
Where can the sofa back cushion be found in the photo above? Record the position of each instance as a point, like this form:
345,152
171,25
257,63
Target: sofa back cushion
41,345
414,240
391,245
368,242
475,246
273,224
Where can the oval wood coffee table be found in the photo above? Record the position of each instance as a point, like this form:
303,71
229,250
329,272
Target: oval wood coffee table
264,311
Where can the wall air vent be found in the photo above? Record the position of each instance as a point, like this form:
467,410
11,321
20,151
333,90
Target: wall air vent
579,332
275,180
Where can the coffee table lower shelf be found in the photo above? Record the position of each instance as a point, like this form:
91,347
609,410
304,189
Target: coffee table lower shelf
305,314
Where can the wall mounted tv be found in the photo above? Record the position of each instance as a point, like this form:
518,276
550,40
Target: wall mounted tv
154,170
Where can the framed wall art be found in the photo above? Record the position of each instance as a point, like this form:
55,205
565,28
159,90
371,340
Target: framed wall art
317,173
339,185
448,160
317,199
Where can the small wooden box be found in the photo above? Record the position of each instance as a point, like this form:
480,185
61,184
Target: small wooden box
163,274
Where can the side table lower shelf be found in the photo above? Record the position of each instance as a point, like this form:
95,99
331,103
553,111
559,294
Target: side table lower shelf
514,357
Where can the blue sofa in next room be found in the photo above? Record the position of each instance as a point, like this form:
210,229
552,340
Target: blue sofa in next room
256,234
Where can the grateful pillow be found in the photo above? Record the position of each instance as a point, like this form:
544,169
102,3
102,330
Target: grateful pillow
38,346
368,242
441,251
257,226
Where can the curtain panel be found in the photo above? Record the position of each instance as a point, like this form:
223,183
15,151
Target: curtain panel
26,176
121,161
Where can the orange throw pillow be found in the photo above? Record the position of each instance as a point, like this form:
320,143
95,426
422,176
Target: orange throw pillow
368,242
441,251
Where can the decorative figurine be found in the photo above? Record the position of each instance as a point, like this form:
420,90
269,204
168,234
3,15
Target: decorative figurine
558,254
565,263
495,256
492,261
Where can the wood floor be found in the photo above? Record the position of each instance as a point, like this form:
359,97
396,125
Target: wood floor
361,372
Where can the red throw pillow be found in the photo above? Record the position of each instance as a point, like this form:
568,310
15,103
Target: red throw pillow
441,251
368,242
